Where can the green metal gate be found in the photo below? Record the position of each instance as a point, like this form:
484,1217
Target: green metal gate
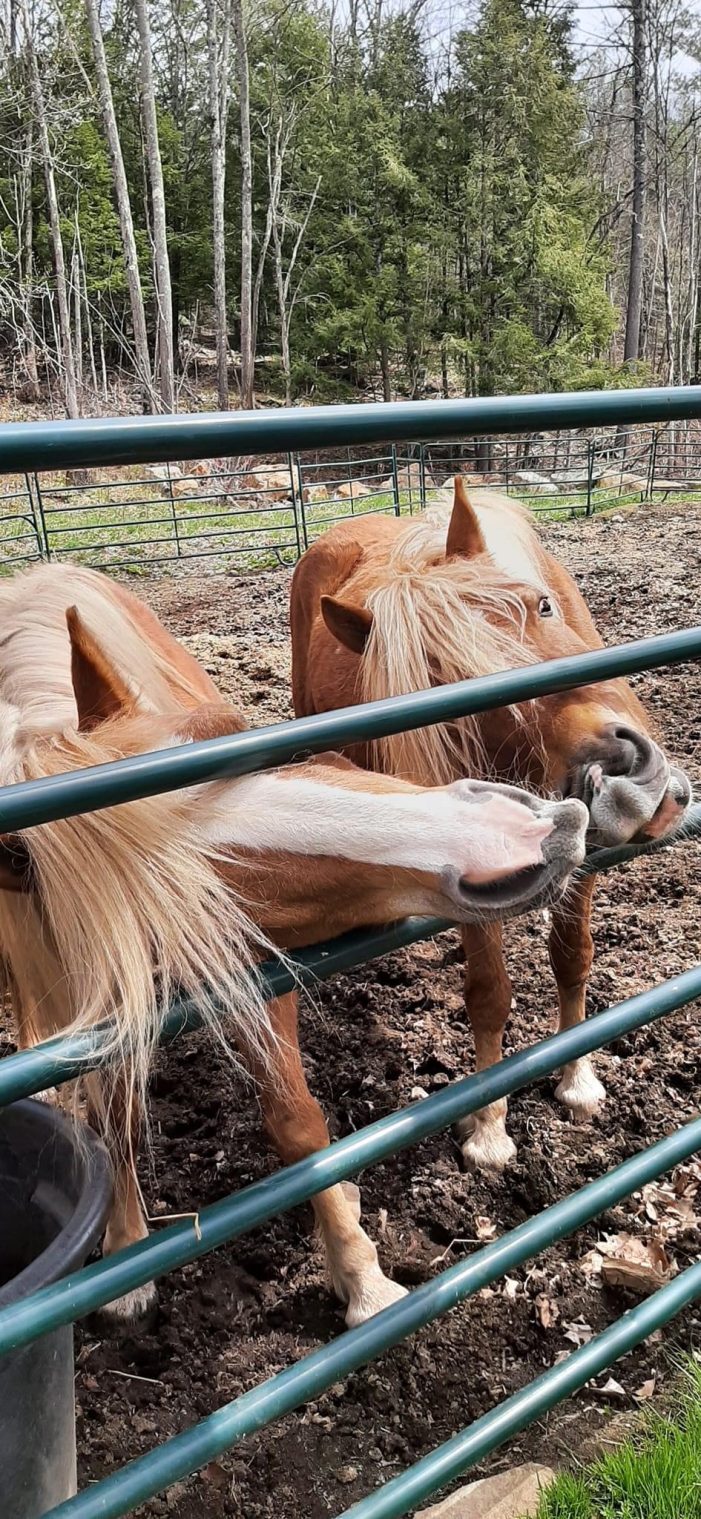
32,446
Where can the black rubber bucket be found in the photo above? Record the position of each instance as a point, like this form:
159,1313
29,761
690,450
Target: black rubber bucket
54,1198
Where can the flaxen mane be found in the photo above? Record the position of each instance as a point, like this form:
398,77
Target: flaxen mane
129,908
437,620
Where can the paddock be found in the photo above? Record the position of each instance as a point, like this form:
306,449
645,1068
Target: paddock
377,1038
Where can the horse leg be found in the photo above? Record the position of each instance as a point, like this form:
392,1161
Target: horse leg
120,1126
486,1146
297,1127
571,953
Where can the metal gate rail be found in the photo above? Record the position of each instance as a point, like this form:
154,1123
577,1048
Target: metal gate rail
31,804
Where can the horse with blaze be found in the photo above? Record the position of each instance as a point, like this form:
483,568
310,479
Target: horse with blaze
381,606
105,917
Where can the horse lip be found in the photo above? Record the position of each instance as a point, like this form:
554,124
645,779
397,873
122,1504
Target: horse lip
534,887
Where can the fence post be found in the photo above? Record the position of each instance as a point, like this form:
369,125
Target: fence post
590,474
395,482
173,512
651,464
36,523
422,476
42,516
298,502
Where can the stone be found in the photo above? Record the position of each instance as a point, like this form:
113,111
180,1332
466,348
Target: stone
347,1474
510,1495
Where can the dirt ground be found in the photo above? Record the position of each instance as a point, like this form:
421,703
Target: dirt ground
370,1039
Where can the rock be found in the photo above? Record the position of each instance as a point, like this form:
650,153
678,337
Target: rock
276,484
347,1474
161,473
539,484
351,490
510,1495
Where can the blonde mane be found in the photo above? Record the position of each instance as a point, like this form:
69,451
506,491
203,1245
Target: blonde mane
437,620
130,908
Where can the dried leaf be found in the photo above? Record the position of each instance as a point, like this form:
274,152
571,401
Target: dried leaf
637,1267
547,1311
578,1332
642,1394
484,1228
215,1476
590,1265
610,1389
511,1288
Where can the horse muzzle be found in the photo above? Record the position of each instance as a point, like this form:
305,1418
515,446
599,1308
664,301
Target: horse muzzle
631,791
557,848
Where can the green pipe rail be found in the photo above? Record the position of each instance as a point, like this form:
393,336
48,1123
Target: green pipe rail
31,804
31,446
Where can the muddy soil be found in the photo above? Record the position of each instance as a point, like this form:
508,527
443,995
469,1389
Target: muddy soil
370,1039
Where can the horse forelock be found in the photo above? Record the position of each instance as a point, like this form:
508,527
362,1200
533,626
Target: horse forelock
437,620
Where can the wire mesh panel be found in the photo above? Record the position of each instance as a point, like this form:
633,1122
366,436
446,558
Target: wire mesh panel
21,539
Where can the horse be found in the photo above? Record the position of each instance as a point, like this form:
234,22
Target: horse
382,606
105,916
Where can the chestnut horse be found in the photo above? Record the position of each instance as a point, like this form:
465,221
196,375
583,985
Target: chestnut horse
382,606
107,915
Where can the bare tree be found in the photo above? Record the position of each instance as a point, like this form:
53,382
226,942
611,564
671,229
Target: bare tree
121,194
64,316
166,367
248,357
219,53
634,305
25,227
283,219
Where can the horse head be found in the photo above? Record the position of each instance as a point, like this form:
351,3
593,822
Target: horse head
491,599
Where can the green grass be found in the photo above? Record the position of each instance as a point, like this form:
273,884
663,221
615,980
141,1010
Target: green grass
656,1476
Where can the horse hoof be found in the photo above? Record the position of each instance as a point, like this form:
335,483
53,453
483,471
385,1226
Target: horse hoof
580,1091
489,1150
374,1293
135,1307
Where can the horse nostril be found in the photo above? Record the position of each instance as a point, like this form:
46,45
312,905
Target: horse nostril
638,755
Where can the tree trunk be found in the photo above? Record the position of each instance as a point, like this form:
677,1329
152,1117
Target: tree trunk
64,315
218,54
26,269
631,351
77,295
248,357
121,195
166,373
384,366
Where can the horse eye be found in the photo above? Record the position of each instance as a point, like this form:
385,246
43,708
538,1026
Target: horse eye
545,607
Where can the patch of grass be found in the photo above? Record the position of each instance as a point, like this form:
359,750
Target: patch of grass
656,1476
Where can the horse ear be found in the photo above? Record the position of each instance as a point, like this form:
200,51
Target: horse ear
100,691
350,624
465,537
